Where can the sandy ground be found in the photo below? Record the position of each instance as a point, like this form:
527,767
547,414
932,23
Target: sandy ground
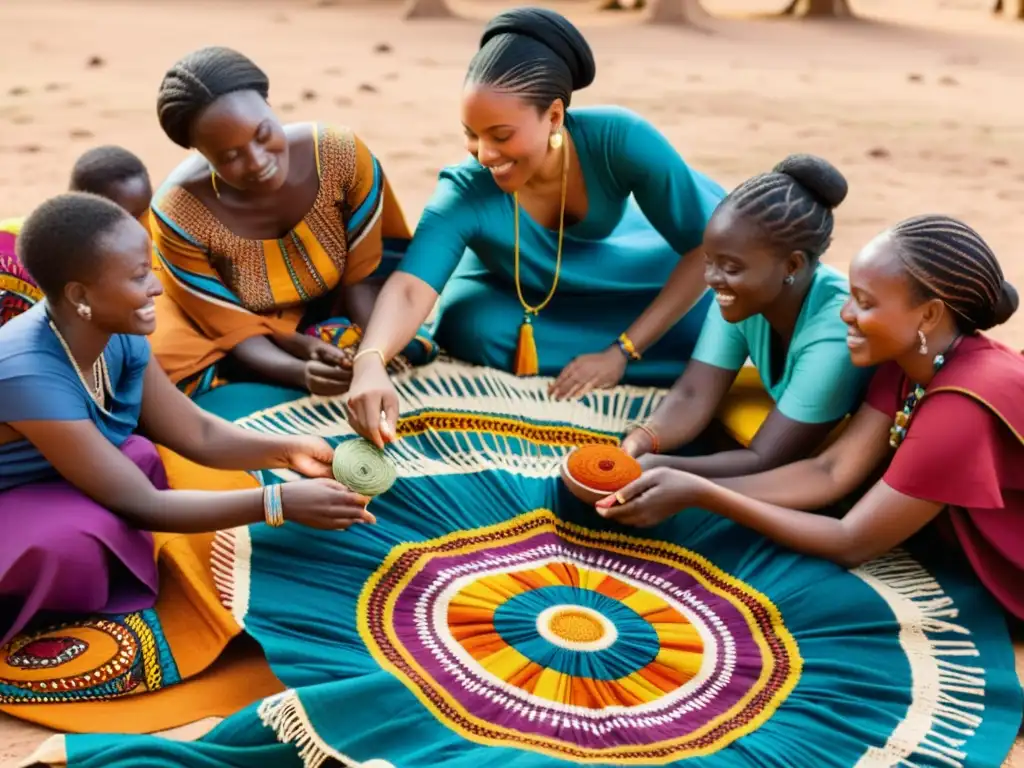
915,106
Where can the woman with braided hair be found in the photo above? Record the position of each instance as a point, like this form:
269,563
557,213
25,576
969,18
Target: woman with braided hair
943,418
568,245
267,234
778,305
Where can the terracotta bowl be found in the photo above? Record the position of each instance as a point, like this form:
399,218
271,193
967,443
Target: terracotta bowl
584,493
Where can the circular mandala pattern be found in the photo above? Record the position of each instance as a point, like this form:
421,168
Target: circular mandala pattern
584,645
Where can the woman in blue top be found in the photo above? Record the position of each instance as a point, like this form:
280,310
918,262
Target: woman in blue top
566,246
779,306
79,488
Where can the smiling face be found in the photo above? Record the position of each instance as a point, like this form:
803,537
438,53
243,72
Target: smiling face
883,313
241,138
745,272
123,288
508,134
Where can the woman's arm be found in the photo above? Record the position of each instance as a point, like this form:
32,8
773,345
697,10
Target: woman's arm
261,355
825,479
779,441
686,410
881,520
87,460
174,421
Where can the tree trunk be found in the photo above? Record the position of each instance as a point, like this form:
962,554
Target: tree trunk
676,12
1011,9
831,9
427,9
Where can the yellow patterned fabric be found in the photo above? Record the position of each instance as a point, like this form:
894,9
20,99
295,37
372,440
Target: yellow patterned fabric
221,289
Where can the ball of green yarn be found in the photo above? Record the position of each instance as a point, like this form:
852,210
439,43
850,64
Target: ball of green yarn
363,467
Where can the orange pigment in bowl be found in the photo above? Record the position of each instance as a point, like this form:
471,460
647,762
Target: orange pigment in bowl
603,467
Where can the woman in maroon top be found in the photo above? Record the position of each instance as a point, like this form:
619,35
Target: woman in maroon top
946,406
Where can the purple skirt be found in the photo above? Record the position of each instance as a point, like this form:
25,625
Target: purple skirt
64,553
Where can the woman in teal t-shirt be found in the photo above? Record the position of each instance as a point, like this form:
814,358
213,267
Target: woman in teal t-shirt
567,246
779,306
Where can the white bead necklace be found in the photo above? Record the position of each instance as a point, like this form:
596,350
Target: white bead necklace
100,387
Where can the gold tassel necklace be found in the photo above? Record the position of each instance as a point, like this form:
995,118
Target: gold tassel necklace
526,362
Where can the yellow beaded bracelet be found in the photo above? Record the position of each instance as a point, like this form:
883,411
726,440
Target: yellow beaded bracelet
628,347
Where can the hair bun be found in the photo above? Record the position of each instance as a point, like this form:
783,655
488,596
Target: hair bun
818,176
553,30
1007,304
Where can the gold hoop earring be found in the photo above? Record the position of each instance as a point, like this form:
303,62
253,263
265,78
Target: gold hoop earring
213,182
556,140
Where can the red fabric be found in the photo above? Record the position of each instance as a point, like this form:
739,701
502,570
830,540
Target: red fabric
962,452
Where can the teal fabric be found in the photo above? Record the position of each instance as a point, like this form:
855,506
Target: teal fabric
646,207
861,637
819,383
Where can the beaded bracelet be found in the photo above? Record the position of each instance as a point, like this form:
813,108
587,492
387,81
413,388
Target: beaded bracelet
273,507
628,347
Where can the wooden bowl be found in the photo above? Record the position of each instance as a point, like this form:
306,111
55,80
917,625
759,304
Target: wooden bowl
584,493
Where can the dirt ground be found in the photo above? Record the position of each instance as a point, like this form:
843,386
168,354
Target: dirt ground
914,105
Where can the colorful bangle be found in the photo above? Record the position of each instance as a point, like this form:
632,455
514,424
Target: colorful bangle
628,347
655,441
273,506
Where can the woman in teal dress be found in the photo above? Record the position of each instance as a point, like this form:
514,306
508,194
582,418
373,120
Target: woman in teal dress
777,305
567,245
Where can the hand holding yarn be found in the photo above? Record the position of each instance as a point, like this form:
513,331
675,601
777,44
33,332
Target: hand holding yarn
324,504
363,467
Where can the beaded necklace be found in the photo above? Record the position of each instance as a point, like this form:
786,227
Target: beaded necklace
100,387
901,423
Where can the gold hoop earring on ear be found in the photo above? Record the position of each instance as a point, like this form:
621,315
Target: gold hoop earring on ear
556,140
213,182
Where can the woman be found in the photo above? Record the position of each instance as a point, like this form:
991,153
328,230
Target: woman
111,172
266,235
947,399
567,245
79,488
779,306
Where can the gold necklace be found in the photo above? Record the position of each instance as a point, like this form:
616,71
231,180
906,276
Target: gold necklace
526,361
100,387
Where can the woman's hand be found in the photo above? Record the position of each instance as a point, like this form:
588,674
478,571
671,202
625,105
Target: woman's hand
373,402
324,504
654,497
326,379
600,370
308,455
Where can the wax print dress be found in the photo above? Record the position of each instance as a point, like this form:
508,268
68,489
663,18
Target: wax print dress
222,289
646,208
62,551
18,291
816,383
965,448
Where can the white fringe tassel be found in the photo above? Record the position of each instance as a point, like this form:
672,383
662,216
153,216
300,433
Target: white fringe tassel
286,717
947,698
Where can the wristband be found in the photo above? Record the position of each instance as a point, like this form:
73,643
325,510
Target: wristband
273,506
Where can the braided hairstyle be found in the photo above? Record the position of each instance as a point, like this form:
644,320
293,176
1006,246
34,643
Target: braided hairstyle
947,260
198,80
534,53
792,204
